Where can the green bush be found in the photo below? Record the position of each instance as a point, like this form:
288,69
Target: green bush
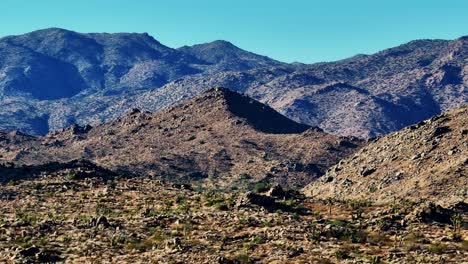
262,187
71,176
437,248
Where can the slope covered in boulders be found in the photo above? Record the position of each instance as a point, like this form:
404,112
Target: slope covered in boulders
427,161
220,138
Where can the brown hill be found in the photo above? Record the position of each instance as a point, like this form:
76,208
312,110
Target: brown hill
424,161
220,138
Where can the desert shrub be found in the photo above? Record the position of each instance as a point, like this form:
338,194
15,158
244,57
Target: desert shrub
456,220
71,176
414,237
242,259
437,248
12,182
218,201
150,212
262,187
375,259
464,245
140,245
341,254
102,209
377,238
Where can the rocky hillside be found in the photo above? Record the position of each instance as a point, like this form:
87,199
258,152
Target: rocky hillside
220,138
425,161
62,217
53,78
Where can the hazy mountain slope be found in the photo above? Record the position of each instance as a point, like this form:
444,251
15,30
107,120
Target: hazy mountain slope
424,161
219,138
98,61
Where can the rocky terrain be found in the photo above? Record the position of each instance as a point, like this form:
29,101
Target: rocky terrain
425,161
86,218
53,78
202,183
220,139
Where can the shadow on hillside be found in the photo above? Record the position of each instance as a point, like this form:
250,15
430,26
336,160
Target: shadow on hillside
75,169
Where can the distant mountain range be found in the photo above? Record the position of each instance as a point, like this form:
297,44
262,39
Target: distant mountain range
53,78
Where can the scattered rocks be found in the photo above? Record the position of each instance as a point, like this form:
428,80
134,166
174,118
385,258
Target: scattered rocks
366,171
424,162
35,254
440,131
100,221
155,222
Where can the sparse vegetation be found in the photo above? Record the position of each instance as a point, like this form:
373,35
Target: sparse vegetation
148,218
456,219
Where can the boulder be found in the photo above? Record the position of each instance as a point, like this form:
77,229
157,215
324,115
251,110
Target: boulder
251,198
430,212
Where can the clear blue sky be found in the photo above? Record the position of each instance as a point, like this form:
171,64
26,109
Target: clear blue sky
288,30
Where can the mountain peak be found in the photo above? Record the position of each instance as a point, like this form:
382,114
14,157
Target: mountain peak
216,44
227,55
54,30
260,116
220,44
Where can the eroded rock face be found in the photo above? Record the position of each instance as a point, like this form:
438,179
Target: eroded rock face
37,255
74,170
430,212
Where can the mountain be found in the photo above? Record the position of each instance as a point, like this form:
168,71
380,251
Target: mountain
365,96
53,78
56,63
220,138
227,57
424,161
47,75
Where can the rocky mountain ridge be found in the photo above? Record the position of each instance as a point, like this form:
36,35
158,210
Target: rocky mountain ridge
220,138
